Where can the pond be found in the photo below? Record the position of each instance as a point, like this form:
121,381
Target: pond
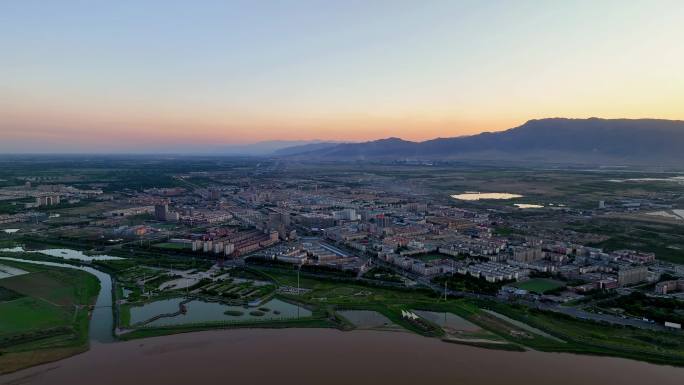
63,253
152,309
665,214
199,311
9,271
448,320
528,206
477,196
367,319
674,179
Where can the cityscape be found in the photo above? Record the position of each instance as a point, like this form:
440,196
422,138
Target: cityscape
274,243
341,193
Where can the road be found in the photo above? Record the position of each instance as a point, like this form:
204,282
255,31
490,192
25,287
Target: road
582,314
575,312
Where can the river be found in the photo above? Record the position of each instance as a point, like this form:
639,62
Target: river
330,357
317,356
102,318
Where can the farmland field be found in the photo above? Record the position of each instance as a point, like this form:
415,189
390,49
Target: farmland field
46,315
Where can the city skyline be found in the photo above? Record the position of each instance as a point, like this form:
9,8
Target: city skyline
166,76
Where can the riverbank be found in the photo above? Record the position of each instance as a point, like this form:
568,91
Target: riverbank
47,317
316,356
509,327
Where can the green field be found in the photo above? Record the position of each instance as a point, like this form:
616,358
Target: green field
666,240
27,314
46,318
600,339
539,285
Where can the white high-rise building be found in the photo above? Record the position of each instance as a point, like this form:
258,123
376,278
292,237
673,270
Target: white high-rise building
346,215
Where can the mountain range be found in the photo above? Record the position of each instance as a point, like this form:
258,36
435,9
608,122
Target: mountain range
559,140
272,147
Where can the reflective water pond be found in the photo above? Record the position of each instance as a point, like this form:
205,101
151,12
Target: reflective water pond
63,253
528,206
476,196
448,320
198,311
9,271
367,319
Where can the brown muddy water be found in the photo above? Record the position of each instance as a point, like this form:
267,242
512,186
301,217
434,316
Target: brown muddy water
330,357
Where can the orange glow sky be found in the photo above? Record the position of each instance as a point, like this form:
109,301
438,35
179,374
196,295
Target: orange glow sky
149,76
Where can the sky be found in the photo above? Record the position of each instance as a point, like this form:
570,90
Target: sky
139,76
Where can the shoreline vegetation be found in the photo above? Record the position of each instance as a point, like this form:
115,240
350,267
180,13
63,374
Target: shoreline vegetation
326,299
49,319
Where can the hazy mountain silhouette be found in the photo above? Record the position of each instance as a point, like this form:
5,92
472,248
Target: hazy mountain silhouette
304,148
263,148
557,139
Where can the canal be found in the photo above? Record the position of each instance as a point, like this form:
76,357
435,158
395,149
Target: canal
102,318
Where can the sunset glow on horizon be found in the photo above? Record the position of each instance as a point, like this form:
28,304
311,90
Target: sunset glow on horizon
130,76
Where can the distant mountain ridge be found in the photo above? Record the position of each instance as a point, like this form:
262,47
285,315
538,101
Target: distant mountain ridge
304,148
269,147
649,141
